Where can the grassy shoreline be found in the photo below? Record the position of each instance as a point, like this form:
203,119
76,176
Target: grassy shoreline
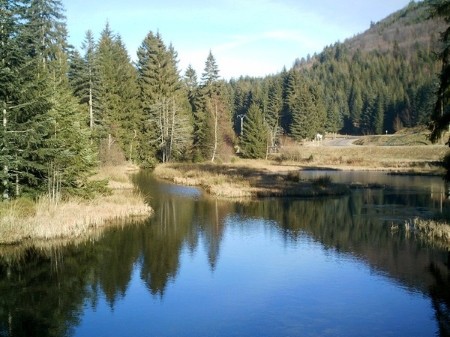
248,179
280,175
264,178
25,221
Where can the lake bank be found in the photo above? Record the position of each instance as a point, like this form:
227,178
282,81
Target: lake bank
248,179
23,220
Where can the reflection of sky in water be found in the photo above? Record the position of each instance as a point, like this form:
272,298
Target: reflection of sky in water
263,286
184,191
181,191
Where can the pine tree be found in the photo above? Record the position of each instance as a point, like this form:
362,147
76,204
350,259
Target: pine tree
43,153
118,118
274,111
217,125
254,140
441,113
83,77
304,107
12,63
199,132
163,100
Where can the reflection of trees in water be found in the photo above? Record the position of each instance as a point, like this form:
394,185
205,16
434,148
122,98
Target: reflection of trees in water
43,294
440,296
46,290
359,224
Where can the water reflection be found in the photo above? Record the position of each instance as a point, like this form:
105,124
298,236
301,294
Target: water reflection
47,292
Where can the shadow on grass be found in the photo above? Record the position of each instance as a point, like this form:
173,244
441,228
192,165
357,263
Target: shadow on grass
264,183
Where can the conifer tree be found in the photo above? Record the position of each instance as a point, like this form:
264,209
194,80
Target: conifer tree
274,111
12,63
254,140
83,77
44,123
441,113
305,108
163,100
118,105
199,132
217,125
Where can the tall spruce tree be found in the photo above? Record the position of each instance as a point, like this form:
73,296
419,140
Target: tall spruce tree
83,77
274,111
12,63
303,108
254,140
215,104
118,105
164,103
199,132
44,122
441,113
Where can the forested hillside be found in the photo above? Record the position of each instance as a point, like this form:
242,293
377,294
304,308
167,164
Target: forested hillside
67,109
379,81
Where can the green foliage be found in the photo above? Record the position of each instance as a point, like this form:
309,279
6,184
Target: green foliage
255,137
379,80
213,134
164,102
441,113
305,107
118,106
45,142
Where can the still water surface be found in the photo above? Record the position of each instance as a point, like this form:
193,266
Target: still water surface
273,267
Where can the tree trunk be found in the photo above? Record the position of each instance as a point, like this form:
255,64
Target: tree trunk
172,130
5,166
91,111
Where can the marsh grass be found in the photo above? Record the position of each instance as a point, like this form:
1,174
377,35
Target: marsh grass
432,230
24,219
246,179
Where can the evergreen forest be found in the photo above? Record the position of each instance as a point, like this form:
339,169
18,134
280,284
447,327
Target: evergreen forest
66,110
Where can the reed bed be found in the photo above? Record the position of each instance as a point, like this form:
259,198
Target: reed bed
22,220
247,179
432,230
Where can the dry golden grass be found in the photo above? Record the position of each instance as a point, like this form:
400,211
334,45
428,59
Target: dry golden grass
421,158
72,218
433,229
117,176
244,179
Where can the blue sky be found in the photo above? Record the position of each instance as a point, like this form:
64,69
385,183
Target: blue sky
247,37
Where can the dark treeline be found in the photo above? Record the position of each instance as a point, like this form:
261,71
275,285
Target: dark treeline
67,110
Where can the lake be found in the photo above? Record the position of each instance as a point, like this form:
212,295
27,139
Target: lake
271,267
